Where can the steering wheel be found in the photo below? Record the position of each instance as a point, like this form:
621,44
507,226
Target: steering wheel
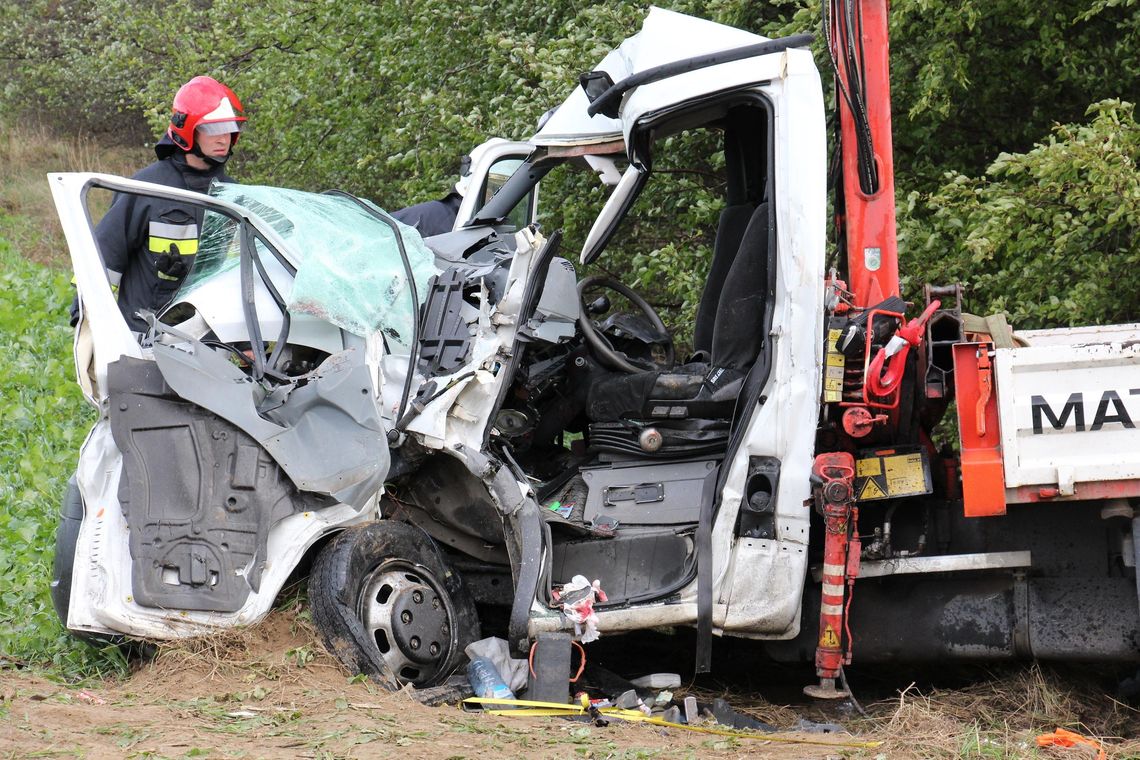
601,345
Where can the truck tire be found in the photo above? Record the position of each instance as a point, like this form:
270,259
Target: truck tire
386,605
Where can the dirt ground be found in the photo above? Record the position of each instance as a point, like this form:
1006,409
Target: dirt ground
272,692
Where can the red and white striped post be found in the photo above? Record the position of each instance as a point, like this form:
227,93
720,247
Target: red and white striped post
835,474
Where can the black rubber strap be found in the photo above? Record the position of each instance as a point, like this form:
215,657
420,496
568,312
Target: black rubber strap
704,574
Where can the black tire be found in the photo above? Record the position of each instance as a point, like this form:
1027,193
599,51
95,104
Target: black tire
63,563
66,535
385,604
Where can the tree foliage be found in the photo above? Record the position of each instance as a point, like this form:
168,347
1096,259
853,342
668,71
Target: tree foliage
1049,236
975,78
382,99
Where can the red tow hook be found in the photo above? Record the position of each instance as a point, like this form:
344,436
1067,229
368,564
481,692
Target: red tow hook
883,382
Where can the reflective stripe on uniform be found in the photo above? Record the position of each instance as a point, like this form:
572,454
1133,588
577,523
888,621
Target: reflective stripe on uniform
173,238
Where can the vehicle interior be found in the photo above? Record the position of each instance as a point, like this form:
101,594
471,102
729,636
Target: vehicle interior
619,431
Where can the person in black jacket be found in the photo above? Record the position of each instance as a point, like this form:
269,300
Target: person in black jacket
436,217
148,244
433,217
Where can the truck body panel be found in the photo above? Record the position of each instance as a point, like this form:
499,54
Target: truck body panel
1069,402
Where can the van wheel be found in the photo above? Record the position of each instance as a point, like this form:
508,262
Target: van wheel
66,536
386,605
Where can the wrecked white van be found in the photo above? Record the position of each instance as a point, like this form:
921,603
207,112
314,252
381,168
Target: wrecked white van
464,420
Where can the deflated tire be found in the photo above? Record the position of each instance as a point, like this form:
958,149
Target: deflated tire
386,605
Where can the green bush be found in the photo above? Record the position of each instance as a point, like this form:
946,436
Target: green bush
43,419
1051,236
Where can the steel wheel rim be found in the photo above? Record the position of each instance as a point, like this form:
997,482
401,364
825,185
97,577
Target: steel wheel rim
410,619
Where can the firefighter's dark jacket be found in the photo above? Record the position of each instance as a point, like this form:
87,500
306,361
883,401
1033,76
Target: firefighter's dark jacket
148,244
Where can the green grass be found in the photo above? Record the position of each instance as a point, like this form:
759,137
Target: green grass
43,420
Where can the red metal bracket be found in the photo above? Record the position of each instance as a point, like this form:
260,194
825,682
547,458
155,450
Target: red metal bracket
979,432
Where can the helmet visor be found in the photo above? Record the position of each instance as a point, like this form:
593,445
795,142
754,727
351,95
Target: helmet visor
220,128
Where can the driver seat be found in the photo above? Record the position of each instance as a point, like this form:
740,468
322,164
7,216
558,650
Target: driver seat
699,396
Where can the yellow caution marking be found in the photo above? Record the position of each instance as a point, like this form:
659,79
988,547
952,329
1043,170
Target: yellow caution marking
871,491
829,638
834,363
895,472
905,474
868,468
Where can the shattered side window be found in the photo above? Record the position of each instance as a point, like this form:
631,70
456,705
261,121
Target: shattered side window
349,270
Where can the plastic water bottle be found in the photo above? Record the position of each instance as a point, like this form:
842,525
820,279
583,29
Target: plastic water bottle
485,680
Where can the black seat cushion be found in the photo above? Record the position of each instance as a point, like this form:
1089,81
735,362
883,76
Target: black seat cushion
685,392
738,333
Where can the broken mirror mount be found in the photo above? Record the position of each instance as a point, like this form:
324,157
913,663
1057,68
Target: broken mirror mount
596,83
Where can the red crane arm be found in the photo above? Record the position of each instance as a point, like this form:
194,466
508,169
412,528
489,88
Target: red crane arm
858,39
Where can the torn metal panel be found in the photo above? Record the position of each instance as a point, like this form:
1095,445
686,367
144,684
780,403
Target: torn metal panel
556,315
199,495
335,404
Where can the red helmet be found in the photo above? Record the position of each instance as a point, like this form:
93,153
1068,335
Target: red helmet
204,102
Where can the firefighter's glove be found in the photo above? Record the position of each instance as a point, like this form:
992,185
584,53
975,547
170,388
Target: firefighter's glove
173,266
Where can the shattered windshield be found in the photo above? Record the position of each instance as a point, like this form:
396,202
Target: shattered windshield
349,270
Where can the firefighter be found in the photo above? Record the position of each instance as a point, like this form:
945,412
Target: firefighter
148,244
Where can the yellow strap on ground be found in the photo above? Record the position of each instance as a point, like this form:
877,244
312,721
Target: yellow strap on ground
550,712
534,712
573,708
532,709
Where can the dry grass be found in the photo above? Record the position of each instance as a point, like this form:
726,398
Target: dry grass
999,715
273,683
277,647
27,154
1002,716
753,705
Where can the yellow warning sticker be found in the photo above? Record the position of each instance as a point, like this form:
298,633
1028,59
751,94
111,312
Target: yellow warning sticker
891,473
833,369
905,474
868,468
829,638
871,490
